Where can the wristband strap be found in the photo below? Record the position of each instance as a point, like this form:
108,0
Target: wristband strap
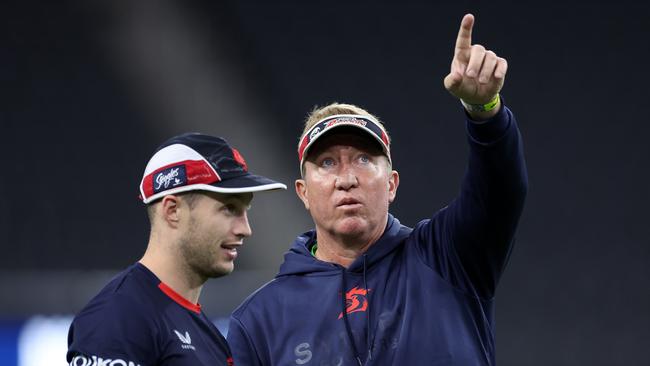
482,107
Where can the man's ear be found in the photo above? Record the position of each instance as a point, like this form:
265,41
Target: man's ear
393,183
170,206
301,191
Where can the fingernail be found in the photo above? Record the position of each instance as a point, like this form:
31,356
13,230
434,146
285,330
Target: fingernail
482,79
471,73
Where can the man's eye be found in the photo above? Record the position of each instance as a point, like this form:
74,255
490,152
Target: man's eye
328,162
364,159
230,209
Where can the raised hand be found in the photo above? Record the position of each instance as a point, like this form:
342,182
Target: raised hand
477,74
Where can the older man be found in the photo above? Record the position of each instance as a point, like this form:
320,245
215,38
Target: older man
197,189
362,289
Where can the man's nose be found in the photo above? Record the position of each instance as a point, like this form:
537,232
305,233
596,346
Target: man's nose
242,228
346,180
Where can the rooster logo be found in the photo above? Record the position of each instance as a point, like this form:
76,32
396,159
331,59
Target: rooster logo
355,300
239,159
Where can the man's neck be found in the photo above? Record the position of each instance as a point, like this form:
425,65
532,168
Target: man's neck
171,273
343,250
334,254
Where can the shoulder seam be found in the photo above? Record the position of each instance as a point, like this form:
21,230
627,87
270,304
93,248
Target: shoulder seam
248,338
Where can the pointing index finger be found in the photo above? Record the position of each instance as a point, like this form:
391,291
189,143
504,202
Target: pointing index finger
464,40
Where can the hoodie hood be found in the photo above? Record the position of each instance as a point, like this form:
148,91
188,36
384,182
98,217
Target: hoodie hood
299,261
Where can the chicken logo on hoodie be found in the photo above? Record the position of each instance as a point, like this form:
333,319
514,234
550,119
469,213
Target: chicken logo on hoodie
356,300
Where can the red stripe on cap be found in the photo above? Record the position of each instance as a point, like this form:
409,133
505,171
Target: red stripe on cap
384,138
147,186
199,172
180,300
196,171
302,146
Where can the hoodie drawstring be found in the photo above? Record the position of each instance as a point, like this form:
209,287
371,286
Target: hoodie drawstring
344,310
365,285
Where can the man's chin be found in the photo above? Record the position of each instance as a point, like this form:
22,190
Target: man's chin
221,270
352,226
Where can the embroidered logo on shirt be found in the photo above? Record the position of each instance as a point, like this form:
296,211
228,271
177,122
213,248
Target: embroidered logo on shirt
355,300
185,339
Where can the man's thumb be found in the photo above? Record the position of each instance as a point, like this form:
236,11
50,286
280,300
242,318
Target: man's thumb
452,81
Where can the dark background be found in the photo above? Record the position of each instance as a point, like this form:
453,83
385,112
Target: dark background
90,88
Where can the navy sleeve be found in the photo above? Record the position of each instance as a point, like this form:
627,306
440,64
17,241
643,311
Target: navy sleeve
241,345
469,241
116,330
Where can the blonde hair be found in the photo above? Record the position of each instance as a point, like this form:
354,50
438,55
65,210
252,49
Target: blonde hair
318,113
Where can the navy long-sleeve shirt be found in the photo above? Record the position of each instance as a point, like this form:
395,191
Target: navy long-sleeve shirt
421,296
136,320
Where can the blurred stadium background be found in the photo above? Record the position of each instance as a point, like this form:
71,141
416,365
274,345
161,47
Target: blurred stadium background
90,88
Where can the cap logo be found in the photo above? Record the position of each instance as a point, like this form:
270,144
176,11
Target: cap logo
239,158
170,178
347,121
315,132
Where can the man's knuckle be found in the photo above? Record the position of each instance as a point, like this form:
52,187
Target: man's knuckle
478,48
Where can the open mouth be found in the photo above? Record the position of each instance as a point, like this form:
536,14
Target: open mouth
230,249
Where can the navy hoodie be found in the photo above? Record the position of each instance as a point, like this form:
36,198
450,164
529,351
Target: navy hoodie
421,296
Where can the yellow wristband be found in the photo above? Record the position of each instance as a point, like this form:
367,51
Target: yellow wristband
482,107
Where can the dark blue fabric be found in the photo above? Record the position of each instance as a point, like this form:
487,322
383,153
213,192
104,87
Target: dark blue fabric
429,289
132,320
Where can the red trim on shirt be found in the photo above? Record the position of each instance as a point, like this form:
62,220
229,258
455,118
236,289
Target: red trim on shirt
179,299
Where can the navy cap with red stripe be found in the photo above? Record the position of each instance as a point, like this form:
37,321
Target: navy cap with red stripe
364,123
194,161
